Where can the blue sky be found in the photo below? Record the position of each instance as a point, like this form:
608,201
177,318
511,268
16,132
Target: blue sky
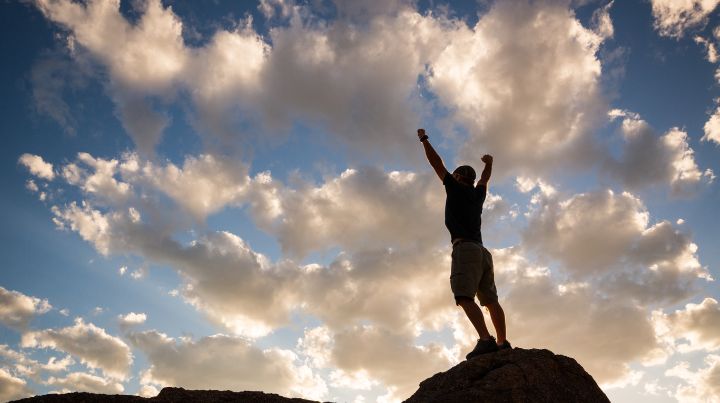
232,196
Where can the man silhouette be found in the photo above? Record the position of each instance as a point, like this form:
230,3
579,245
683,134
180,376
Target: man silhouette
471,272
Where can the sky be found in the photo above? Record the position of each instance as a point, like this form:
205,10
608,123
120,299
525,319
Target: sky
231,195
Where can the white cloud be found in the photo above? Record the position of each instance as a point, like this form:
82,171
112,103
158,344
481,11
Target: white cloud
701,385
12,388
649,159
149,59
712,54
616,246
697,324
674,17
100,182
536,306
202,186
525,83
17,309
132,318
37,166
601,21
148,391
224,362
712,128
389,357
84,382
91,344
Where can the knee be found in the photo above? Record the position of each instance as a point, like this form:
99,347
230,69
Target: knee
464,302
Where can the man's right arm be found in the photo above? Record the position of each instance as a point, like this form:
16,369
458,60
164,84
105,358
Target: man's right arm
435,161
485,175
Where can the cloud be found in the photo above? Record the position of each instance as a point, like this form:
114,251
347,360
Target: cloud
712,128
132,318
365,206
50,76
701,385
698,324
203,185
224,362
674,17
149,60
537,305
712,55
12,388
37,166
651,159
17,309
84,382
91,344
100,181
144,58
616,246
524,82
378,354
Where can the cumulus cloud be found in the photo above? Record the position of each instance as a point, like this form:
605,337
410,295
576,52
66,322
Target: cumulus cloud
91,344
536,305
651,159
99,180
376,354
149,59
17,309
674,17
12,388
203,185
363,70
616,243
84,382
37,166
712,128
525,83
132,318
698,324
224,362
700,385
142,58
365,206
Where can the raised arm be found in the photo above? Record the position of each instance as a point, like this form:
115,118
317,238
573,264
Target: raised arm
435,161
487,171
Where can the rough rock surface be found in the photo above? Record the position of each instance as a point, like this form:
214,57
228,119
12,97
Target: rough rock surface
168,395
516,375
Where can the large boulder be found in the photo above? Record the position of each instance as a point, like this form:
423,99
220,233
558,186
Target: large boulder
516,375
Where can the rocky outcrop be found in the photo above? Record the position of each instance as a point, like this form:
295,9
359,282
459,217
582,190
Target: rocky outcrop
168,395
516,375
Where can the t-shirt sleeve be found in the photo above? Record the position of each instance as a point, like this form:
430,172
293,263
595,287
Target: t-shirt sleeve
448,180
481,191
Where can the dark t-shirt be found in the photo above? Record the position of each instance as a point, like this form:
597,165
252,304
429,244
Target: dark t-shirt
463,207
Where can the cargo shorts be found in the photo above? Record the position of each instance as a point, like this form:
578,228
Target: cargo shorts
471,273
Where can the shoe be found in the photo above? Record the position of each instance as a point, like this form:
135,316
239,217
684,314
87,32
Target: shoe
483,347
504,346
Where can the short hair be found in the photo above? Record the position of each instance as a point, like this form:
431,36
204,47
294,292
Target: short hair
466,171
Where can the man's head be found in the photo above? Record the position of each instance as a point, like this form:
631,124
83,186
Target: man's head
464,174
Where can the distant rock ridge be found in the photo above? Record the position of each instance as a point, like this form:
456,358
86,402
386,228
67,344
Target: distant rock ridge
517,375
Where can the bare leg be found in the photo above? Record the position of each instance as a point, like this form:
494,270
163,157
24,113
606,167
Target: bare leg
498,319
473,312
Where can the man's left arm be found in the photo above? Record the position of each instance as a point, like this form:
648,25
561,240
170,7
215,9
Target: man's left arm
487,171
